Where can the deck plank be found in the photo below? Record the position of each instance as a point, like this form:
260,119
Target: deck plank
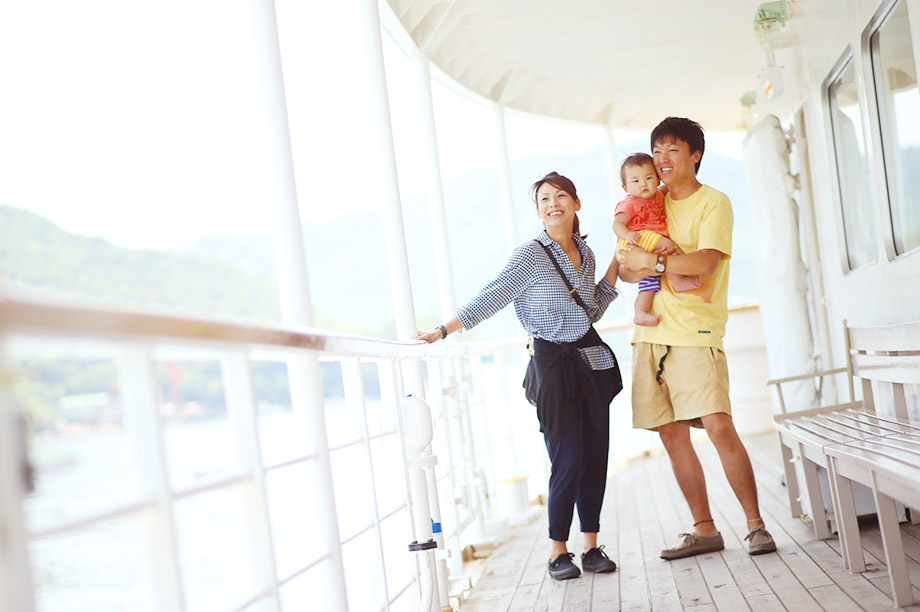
766,603
632,576
661,518
643,513
606,589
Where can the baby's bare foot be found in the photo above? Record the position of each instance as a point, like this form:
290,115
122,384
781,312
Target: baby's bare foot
647,320
685,283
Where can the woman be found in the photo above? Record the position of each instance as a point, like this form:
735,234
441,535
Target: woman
574,374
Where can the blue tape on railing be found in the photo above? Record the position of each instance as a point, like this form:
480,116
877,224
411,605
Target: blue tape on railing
435,527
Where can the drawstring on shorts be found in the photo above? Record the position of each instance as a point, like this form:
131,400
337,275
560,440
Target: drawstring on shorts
661,366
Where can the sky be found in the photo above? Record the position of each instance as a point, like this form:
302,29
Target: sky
150,131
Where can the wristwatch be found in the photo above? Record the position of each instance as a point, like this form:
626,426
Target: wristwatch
662,262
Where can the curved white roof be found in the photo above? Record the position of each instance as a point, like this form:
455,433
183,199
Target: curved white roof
627,63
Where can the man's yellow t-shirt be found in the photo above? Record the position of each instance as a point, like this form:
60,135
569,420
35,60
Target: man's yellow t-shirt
696,317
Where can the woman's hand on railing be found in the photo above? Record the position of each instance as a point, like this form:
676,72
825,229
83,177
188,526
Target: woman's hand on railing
432,336
440,332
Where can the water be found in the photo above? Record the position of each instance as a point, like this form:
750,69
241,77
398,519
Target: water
111,565
220,539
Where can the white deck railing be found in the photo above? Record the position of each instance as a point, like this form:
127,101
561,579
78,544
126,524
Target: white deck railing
254,509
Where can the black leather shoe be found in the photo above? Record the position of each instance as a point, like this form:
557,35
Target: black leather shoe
562,568
597,561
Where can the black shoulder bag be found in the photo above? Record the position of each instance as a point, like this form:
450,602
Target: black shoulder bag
530,378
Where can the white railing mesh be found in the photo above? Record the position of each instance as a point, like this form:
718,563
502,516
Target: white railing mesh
249,506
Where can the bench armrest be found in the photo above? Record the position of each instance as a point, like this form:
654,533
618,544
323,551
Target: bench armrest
778,381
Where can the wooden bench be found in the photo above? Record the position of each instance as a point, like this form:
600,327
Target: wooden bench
856,443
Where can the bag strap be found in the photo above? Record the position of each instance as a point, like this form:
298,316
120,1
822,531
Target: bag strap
572,290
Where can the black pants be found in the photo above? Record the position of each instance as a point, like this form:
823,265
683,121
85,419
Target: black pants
579,476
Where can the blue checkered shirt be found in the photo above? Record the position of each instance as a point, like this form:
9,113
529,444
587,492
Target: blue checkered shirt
541,300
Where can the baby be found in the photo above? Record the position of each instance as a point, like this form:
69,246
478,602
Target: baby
639,219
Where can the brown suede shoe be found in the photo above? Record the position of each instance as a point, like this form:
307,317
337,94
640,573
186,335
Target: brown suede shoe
693,545
760,541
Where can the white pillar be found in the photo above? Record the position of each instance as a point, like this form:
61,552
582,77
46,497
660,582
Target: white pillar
436,191
504,180
381,141
294,291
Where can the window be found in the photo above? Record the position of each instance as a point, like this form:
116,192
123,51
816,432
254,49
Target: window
852,172
895,74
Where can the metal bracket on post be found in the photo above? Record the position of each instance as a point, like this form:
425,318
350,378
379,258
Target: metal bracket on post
416,547
422,463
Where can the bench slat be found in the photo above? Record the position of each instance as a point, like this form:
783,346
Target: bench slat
895,337
856,429
904,369
878,455
817,434
887,424
894,422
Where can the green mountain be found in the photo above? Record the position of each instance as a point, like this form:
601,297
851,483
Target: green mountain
38,257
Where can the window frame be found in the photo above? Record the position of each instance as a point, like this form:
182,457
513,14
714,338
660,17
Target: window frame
879,116
848,58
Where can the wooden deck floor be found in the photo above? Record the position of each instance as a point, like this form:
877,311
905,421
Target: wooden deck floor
643,513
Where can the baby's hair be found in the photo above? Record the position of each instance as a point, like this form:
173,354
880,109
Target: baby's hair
636,159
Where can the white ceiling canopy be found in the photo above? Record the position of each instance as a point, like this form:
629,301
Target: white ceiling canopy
626,63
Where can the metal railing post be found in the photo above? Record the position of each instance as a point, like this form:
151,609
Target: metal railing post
244,418
137,377
15,569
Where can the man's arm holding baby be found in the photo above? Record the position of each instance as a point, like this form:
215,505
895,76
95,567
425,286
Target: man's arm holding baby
642,264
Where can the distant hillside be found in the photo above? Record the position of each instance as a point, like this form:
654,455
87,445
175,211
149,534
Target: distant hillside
35,254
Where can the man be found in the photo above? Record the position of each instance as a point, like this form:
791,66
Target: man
680,376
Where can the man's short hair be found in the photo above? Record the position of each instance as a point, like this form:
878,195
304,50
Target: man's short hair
636,159
680,128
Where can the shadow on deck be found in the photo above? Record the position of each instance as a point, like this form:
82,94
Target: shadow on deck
643,513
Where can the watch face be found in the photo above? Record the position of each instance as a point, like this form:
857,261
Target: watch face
659,267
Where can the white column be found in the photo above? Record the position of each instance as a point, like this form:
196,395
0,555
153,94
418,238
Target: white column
436,191
381,141
294,292
504,180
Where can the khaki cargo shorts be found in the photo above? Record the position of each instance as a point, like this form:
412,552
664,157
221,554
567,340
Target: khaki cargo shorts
694,384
